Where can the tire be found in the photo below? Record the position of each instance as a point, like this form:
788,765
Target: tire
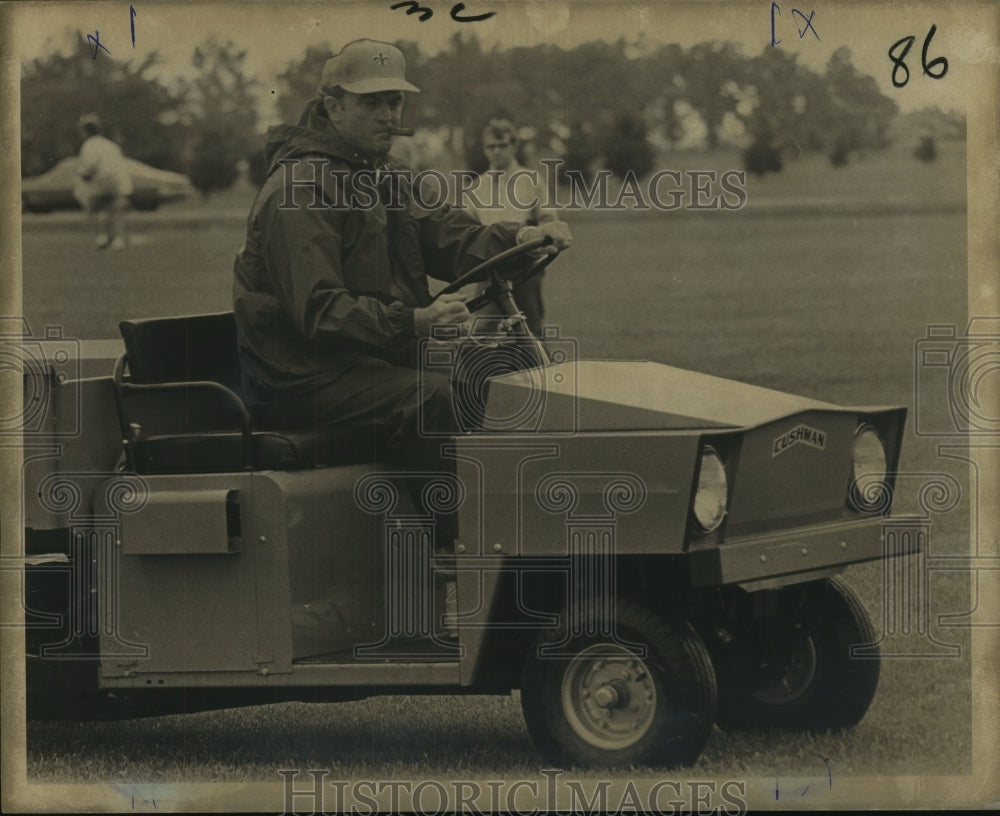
656,709
802,679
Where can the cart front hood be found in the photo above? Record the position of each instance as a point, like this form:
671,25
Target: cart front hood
609,395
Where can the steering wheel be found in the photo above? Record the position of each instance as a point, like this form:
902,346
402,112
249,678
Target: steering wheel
501,284
476,364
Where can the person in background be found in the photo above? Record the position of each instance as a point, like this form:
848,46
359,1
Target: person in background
104,185
505,180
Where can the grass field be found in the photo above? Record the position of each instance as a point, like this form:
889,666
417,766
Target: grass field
827,306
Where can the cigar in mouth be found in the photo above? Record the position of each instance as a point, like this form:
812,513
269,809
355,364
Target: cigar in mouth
400,131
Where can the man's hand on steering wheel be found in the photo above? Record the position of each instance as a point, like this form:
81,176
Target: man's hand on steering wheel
558,231
535,248
447,308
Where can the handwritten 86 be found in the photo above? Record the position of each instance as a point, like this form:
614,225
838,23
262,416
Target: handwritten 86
935,69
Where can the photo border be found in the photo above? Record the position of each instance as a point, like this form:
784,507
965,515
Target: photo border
983,213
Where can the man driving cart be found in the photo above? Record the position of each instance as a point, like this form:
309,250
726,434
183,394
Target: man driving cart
330,290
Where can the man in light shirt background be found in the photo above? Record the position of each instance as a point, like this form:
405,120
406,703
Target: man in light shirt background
505,189
104,184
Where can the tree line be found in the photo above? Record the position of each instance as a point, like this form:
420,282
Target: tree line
200,123
598,104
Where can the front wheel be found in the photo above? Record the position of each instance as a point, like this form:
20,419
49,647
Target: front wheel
802,677
644,695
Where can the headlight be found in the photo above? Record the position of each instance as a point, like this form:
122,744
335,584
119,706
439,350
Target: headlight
868,463
712,494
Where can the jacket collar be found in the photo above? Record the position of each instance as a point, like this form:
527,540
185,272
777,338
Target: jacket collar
314,134
314,118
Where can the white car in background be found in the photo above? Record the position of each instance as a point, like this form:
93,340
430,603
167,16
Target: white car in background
53,190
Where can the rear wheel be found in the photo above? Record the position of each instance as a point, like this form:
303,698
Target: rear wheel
645,697
797,674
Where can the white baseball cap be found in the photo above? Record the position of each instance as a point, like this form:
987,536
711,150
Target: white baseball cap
367,66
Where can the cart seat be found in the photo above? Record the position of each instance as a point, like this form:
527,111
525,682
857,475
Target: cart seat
178,387
214,452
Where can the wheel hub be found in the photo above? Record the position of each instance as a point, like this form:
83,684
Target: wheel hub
613,695
788,678
609,696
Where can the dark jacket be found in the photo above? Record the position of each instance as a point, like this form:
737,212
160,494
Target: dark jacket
320,282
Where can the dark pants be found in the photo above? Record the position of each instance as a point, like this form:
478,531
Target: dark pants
409,413
528,297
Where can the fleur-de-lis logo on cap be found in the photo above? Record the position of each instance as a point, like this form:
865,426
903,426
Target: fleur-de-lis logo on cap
381,59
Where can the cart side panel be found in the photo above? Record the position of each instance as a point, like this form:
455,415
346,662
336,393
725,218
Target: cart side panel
547,496
334,560
177,577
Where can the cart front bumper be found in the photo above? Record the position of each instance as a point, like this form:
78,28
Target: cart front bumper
801,554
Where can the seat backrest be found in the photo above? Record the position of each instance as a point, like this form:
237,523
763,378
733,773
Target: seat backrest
175,417
183,349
